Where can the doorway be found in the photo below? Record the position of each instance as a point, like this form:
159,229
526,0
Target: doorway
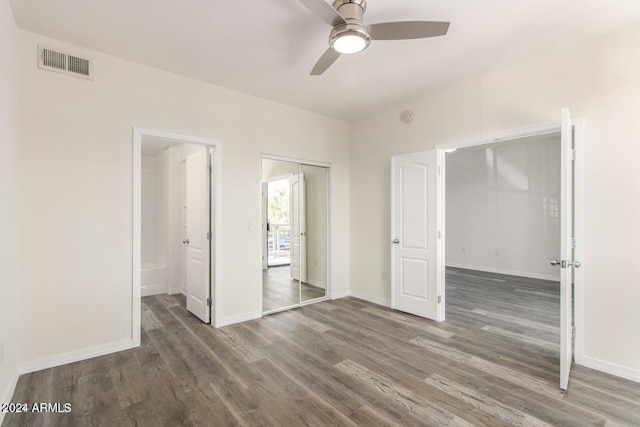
176,215
412,283
295,239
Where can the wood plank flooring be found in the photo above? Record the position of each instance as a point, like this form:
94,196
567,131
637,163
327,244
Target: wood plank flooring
279,290
342,363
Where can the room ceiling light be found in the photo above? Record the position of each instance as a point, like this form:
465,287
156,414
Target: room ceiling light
350,39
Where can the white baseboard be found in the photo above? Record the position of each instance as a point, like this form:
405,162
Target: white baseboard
177,291
505,271
238,319
74,356
149,290
371,298
339,294
8,392
611,368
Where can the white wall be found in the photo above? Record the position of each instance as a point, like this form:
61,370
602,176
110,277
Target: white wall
503,206
76,191
9,322
599,82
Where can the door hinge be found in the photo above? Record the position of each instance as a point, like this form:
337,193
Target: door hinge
573,332
573,154
209,302
210,169
439,299
209,235
573,243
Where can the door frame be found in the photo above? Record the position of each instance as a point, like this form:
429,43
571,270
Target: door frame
215,220
578,125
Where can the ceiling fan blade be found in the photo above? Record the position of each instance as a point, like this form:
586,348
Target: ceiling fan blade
324,11
408,30
326,60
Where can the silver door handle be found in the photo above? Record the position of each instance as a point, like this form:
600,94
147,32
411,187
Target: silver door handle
396,241
565,264
185,241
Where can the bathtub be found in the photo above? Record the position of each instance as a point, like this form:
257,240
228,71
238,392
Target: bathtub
153,280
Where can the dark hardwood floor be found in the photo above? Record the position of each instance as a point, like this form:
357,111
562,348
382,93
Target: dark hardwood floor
345,362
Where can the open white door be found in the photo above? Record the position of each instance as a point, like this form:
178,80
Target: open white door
566,262
198,235
415,250
297,214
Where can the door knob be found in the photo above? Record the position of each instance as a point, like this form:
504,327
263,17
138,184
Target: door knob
396,241
575,264
554,262
185,241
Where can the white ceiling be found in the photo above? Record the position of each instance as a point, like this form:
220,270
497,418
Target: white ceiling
268,47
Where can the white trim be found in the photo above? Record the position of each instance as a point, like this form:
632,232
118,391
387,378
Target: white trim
8,392
371,298
239,318
74,356
504,271
578,221
177,291
341,294
216,222
611,368
294,160
441,217
146,291
502,137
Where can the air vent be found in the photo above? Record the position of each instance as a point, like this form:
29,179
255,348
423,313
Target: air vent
63,62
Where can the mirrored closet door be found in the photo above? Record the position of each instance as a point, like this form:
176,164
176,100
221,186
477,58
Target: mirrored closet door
295,241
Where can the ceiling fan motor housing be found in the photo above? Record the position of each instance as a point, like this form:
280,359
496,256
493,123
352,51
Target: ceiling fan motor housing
352,11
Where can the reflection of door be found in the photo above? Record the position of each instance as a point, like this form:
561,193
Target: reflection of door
298,227
566,249
198,248
415,259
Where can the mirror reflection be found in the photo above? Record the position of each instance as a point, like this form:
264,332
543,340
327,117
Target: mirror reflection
295,233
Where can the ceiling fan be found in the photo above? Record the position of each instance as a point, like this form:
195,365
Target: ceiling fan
351,35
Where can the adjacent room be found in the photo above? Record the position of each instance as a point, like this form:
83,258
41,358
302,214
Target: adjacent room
315,212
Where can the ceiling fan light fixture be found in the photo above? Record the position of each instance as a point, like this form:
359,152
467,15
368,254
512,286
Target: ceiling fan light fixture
350,38
350,43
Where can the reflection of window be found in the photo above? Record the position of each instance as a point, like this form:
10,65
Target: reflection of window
278,204
279,216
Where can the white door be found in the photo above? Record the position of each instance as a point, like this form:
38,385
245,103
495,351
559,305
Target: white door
198,227
297,213
415,249
566,249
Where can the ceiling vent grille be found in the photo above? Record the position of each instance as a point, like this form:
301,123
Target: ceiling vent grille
63,62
